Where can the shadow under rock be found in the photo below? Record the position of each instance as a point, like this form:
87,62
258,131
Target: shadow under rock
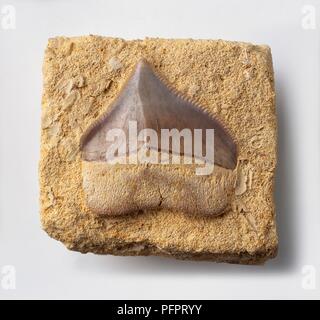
286,193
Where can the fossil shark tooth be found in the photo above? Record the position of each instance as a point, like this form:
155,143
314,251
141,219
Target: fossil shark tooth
147,99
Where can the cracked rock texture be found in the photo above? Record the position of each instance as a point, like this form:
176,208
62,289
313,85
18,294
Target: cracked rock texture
231,80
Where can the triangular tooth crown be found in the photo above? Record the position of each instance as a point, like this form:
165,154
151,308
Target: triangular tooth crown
147,99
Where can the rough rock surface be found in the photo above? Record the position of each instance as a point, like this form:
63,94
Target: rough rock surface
230,79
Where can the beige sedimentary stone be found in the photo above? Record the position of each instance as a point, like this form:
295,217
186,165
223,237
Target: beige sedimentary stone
234,82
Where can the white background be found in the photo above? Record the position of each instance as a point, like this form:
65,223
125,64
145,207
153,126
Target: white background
44,268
